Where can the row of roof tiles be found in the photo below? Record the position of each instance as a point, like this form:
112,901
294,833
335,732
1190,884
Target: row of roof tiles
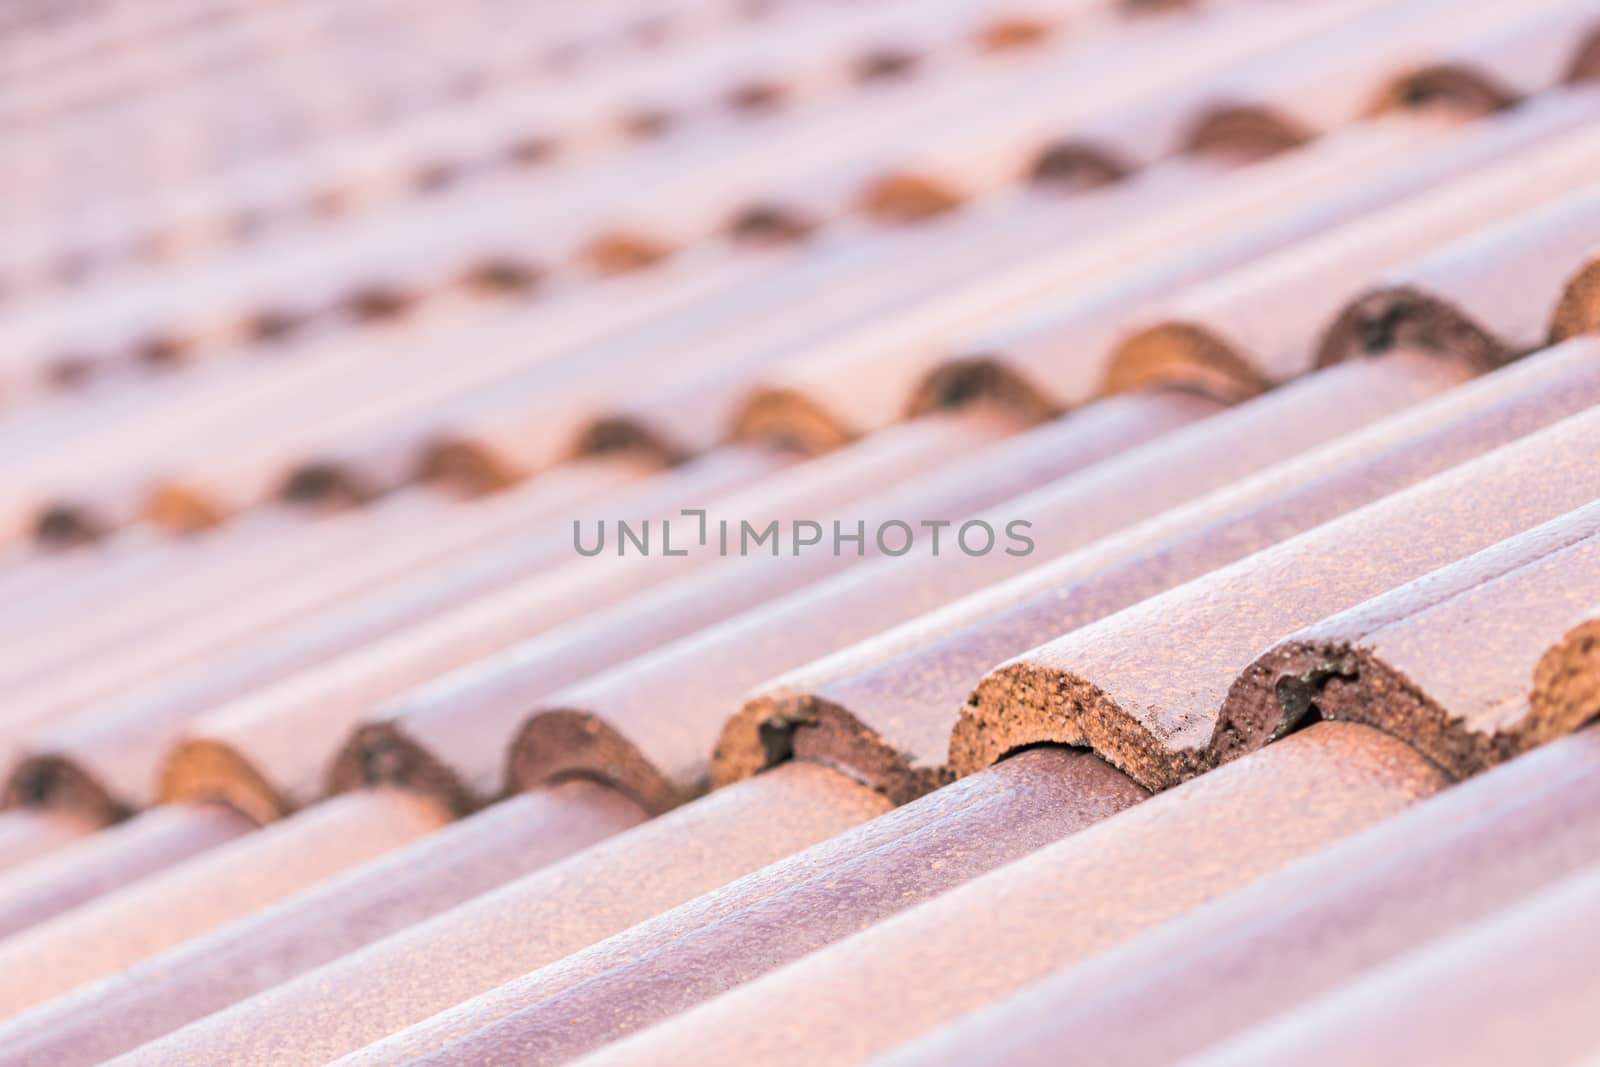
1260,548
265,288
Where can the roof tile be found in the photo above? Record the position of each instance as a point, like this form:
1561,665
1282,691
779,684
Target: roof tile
1527,968
999,931
1157,716
894,698
1491,295
319,324
527,922
111,932
1396,661
112,858
1283,940
463,724
1260,316
320,923
757,923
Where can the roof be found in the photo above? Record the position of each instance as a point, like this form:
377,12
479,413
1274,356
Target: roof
834,532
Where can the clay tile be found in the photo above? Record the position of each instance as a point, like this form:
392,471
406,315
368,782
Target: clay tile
26,834
1245,134
1282,941
903,686
327,487
1265,211
985,939
1525,967
989,144
1494,64
1016,32
908,197
1022,334
189,636
896,733
205,891
649,721
110,859
1275,99
621,252
1084,688
526,923
1262,318
758,923
1566,683
1586,61
1579,309
324,921
378,302
533,150
769,224
455,733
817,396
686,331
1075,167
501,275
260,728
756,96
1395,663
68,525
173,507
1489,296
881,64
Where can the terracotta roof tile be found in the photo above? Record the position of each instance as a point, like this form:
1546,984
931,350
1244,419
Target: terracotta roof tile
813,165
288,733
326,327
27,835
1039,343
997,932
1258,318
887,705
305,930
117,742
1395,661
1567,682
1318,923
1526,969
922,672
777,914
1238,216
528,922
1493,294
464,724
112,858
378,446
1290,94
200,893
567,121
1158,717
977,146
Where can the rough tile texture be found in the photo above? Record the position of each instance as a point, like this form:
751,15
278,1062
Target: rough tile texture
1439,868
998,932
524,924
1527,970
113,858
1156,715
1074,514
1447,661
322,922
108,934
778,914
